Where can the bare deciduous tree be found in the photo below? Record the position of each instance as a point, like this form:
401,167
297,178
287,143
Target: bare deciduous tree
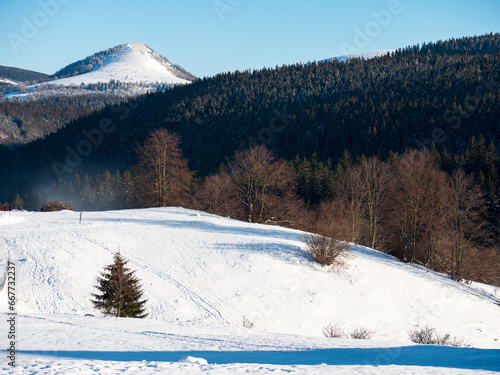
265,186
415,207
374,185
164,178
334,219
216,196
466,221
349,200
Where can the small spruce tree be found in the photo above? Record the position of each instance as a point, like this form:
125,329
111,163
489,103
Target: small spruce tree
120,291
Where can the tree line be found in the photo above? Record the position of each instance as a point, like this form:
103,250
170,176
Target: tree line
407,205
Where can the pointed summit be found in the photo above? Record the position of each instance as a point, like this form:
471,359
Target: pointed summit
128,63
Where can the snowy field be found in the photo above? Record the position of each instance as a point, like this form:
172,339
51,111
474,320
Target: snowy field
202,274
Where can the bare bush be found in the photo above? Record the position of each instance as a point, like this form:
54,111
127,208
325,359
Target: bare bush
428,335
361,333
333,331
56,206
248,324
326,250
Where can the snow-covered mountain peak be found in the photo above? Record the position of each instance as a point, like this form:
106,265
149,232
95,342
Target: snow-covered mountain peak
128,63
124,70
141,48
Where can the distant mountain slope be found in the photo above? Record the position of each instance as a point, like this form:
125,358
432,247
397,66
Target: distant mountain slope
202,268
107,77
361,55
123,71
14,75
132,63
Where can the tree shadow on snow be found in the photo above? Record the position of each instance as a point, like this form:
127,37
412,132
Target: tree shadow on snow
417,355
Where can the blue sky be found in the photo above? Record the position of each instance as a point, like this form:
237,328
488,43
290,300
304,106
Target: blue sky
211,36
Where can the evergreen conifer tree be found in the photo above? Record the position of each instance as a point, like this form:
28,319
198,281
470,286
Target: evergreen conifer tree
120,291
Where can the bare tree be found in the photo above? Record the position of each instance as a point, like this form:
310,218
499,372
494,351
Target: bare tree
374,186
216,196
164,178
265,186
335,219
349,200
466,220
415,207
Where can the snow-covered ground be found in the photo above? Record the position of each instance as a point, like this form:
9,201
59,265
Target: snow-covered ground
202,274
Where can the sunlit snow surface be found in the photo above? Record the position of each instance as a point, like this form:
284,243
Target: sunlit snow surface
202,274
135,64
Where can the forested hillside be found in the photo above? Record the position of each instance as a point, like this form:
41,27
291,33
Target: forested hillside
22,75
25,121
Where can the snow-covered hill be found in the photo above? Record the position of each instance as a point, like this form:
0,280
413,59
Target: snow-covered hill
124,70
202,274
129,63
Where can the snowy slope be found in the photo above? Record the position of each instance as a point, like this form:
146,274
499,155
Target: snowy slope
135,63
207,272
361,55
125,70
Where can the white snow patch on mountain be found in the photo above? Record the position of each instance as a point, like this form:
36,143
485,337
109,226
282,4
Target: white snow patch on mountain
137,63
8,81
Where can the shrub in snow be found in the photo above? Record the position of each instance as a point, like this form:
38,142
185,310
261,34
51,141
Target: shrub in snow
361,333
246,322
56,206
429,335
333,331
120,292
326,250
